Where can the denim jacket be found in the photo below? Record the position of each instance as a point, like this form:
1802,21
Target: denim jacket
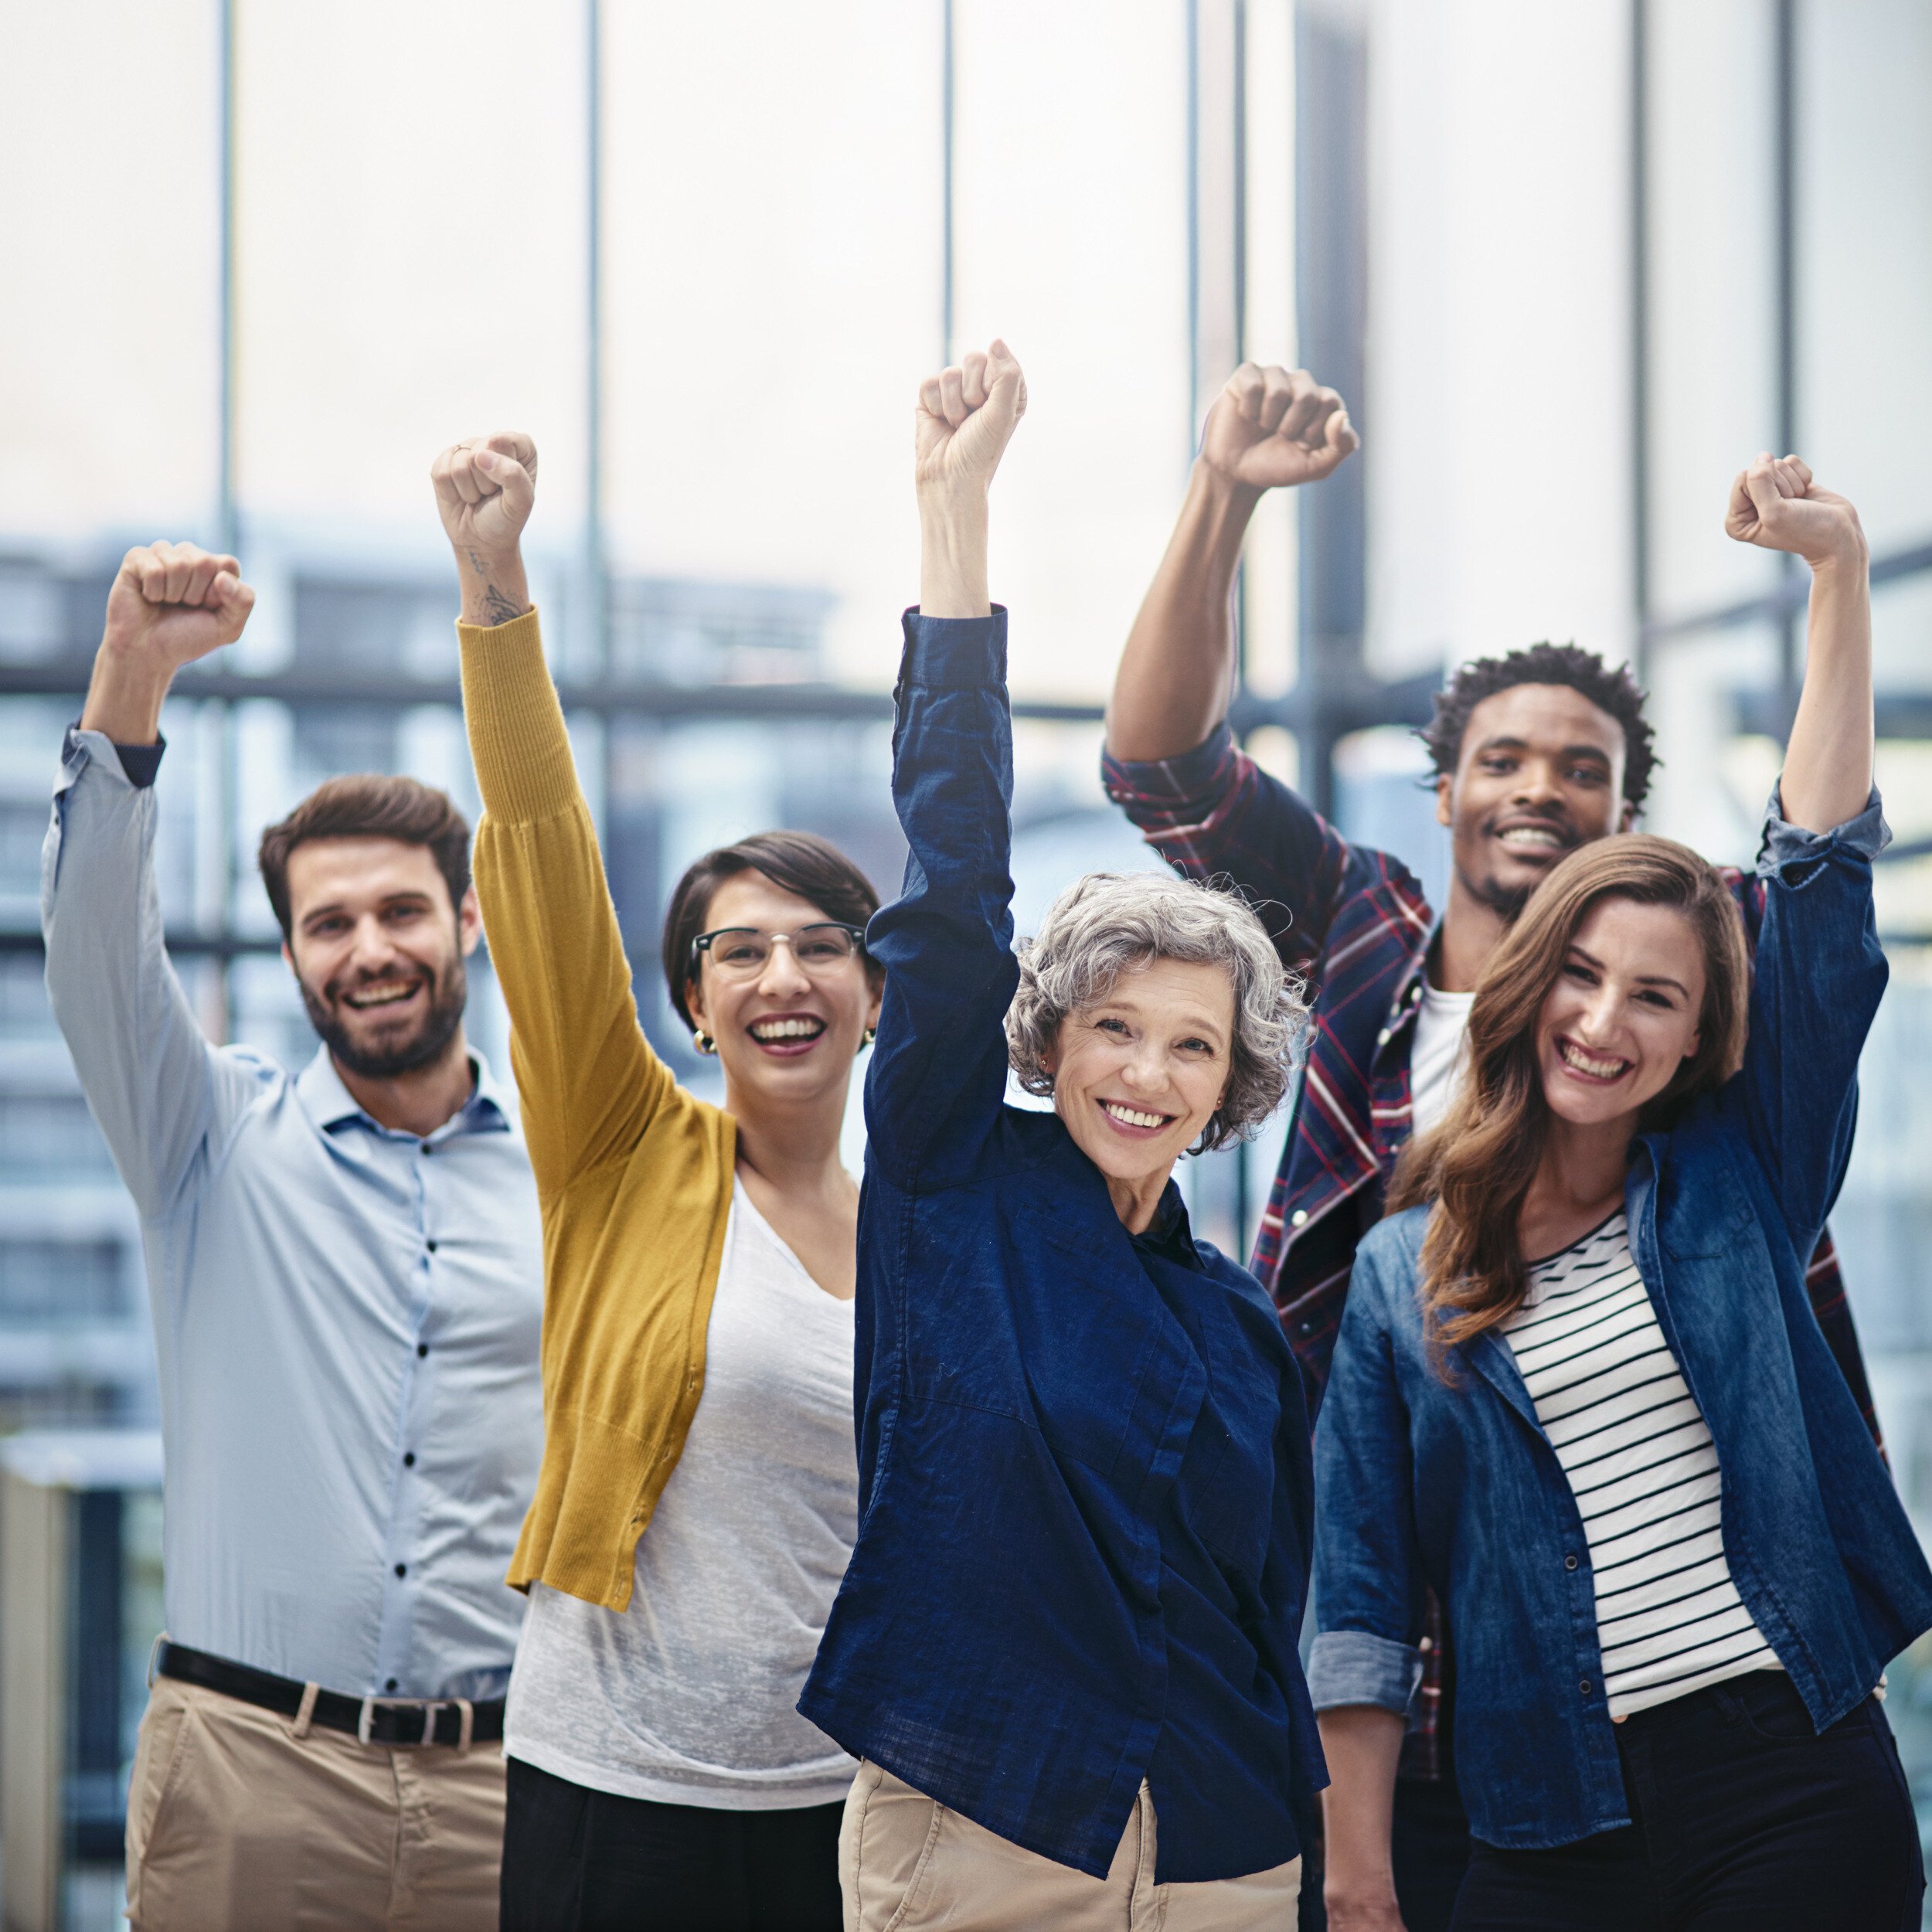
1451,1482
1085,1475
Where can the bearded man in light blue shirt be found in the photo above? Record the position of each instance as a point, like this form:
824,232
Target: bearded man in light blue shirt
346,1267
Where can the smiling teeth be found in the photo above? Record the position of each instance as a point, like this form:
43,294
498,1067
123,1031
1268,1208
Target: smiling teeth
1133,1116
1534,837
1602,1070
788,1029
380,995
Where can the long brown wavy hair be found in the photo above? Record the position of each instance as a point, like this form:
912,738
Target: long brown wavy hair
1478,1164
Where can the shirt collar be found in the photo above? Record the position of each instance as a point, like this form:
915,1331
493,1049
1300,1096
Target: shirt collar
330,1103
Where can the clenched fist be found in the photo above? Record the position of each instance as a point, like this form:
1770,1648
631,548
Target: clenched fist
965,418
170,604
1271,428
485,488
173,602
1775,504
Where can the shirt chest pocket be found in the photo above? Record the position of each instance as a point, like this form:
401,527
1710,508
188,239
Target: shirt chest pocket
1038,1324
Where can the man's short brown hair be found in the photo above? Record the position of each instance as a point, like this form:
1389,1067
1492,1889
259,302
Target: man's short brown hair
366,806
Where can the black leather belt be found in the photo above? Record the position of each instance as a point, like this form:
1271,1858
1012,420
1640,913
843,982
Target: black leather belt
373,1720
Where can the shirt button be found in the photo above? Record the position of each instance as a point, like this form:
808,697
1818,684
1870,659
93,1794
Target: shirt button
427,1148
431,1245
402,1570
1426,1645
1298,1218
1569,1563
1382,1039
422,1348
389,1684
409,1458
1584,1686
1415,992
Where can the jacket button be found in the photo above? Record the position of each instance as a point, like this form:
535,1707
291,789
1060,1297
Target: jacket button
1569,1563
1298,1218
1584,1686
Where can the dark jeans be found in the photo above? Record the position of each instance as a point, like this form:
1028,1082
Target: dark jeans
582,1861
1743,1820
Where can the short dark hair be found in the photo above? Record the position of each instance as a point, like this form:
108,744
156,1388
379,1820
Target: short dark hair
367,805
798,861
1614,691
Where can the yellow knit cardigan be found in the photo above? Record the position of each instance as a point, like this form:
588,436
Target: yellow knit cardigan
633,1174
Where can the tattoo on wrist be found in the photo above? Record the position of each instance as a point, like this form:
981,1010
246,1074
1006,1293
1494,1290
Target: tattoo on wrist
498,608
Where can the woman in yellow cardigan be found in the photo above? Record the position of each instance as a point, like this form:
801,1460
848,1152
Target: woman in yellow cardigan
697,1495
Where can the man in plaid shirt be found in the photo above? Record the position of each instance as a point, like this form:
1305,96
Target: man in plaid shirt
1535,753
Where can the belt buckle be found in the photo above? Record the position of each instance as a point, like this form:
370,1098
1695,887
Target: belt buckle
429,1707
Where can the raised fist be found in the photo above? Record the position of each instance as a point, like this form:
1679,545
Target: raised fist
1271,428
173,602
1775,504
965,417
485,489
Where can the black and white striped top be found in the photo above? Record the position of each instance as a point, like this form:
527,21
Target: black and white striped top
1626,1430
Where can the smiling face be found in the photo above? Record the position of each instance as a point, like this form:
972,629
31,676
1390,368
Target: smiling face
378,951
1137,1075
1539,772
1623,1014
785,1034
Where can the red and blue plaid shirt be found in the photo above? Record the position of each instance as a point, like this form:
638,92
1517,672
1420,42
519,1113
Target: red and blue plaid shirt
1354,924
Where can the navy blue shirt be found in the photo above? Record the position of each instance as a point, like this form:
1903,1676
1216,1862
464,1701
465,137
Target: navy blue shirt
1085,1482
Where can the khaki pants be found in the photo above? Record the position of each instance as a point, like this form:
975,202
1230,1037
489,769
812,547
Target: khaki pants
906,1863
236,1824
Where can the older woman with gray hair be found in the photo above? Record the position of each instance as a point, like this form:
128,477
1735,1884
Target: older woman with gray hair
1065,1649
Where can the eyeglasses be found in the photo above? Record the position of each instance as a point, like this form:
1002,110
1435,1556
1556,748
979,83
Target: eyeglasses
742,952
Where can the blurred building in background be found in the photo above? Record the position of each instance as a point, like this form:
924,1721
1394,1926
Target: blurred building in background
1573,267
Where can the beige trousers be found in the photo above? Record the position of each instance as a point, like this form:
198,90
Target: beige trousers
906,1863
236,1824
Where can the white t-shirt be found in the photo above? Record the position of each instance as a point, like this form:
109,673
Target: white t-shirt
1436,1056
1643,1469
688,1696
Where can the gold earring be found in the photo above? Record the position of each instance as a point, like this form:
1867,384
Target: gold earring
869,1035
703,1042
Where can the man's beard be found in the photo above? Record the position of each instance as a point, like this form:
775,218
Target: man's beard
449,991
1506,902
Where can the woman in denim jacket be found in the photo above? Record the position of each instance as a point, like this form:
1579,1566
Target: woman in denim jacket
1066,1645
1579,1391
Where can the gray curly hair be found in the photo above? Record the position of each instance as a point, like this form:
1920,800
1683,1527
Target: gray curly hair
1110,923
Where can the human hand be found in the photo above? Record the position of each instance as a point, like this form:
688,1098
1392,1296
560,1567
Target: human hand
965,418
173,602
485,489
1272,428
1351,1911
1775,504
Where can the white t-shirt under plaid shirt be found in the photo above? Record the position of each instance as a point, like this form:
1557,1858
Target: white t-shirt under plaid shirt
1640,1463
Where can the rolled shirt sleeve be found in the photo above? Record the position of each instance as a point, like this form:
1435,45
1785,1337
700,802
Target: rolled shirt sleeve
1357,1667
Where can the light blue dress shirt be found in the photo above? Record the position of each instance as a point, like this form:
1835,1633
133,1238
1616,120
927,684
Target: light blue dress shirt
346,1317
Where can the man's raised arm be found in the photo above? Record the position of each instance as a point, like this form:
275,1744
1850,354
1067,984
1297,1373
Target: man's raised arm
1269,429
155,1085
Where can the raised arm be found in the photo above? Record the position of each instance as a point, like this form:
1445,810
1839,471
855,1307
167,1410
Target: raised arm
1819,970
156,1086
588,1081
1828,764
938,1071
1269,429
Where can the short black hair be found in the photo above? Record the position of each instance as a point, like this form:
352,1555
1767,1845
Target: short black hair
797,862
1613,690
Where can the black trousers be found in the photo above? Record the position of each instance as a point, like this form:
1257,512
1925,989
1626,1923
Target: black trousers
1743,1820
581,1861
